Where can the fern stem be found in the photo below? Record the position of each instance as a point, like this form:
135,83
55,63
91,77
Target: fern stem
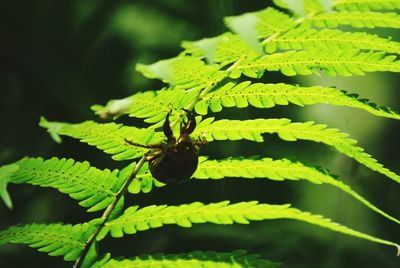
108,212
126,184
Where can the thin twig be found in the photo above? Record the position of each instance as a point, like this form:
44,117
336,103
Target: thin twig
108,212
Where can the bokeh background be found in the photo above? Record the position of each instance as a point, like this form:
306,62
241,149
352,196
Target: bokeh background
57,58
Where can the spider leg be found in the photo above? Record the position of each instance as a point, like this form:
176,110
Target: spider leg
150,156
189,126
167,129
148,146
200,141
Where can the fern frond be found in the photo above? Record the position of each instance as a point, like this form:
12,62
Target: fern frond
224,49
355,19
286,130
279,170
109,137
204,259
303,38
363,5
183,72
344,63
153,105
268,95
55,239
134,220
95,188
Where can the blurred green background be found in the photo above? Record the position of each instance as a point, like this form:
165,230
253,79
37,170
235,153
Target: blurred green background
57,58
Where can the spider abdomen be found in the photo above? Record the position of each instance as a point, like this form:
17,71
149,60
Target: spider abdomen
177,164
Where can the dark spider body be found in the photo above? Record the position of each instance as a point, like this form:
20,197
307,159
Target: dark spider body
175,160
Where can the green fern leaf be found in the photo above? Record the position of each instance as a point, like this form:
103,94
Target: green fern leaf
344,63
303,38
268,95
286,130
183,72
363,5
279,170
224,49
55,239
355,19
109,137
260,24
151,105
95,188
250,168
207,259
134,220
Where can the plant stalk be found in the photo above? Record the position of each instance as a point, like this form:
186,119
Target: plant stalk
108,212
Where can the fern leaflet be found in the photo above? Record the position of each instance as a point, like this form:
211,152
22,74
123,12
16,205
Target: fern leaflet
252,130
224,49
134,220
364,5
151,105
95,188
303,38
276,170
208,259
55,239
355,19
109,137
268,95
260,24
344,63
183,72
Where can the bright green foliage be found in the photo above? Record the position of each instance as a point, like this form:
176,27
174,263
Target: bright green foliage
343,63
202,78
109,137
288,131
364,5
251,168
134,220
54,239
279,170
356,19
95,188
183,72
260,24
268,95
207,259
304,38
224,49
151,105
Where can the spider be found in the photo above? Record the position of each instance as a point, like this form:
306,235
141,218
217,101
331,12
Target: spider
174,160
